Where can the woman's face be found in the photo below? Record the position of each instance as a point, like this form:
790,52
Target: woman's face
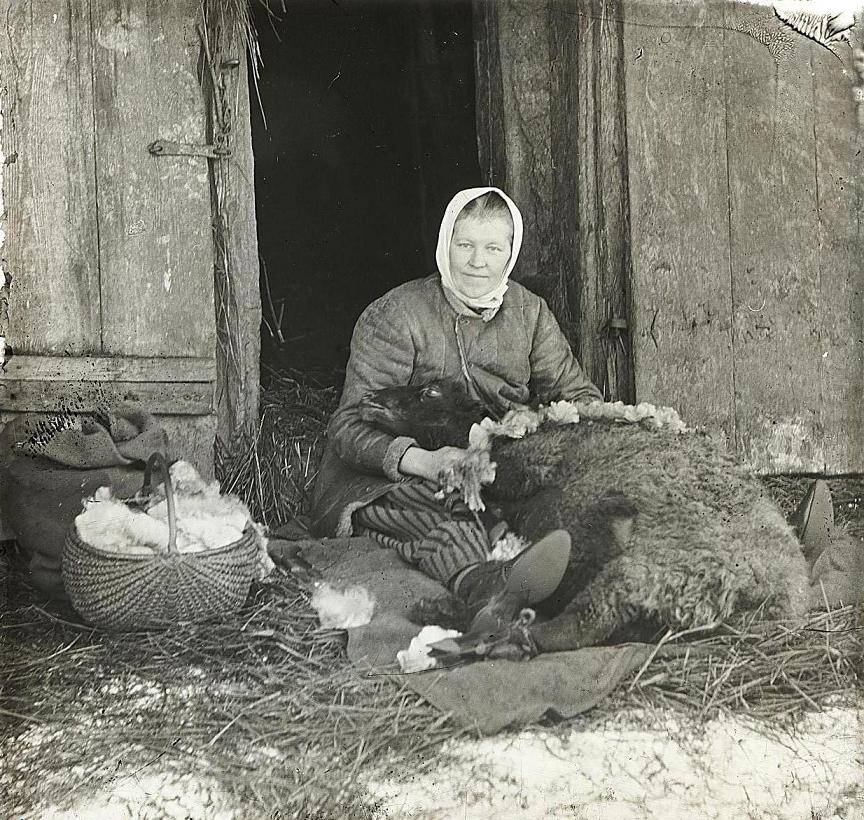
479,253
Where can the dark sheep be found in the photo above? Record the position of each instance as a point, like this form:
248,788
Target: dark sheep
666,527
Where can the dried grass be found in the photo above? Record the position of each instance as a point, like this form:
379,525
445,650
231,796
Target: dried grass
274,469
766,671
266,703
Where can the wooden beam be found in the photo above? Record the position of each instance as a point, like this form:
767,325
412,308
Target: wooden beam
523,31
590,258
173,398
109,369
489,93
237,284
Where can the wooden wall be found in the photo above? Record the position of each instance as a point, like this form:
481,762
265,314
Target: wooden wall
110,248
731,241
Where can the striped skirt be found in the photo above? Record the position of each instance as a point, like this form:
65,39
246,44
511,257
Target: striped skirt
438,536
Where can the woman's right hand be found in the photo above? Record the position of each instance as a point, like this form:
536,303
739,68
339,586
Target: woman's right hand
429,464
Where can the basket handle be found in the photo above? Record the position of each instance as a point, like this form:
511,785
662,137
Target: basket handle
157,460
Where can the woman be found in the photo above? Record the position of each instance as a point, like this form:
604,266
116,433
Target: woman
467,323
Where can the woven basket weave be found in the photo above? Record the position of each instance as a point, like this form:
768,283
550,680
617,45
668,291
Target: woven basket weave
129,592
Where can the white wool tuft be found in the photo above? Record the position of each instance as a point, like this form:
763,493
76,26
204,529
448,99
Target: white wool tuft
416,657
186,481
209,521
205,519
508,546
347,609
110,525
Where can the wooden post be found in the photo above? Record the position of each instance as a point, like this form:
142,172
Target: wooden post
237,286
513,118
490,93
552,132
591,236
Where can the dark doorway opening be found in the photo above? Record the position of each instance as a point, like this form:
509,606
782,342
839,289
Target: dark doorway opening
370,130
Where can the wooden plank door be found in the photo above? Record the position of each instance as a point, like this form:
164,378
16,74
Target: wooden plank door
110,248
676,143
746,247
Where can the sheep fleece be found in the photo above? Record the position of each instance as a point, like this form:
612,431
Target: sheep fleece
699,538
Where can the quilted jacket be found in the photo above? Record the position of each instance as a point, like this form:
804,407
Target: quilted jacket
414,334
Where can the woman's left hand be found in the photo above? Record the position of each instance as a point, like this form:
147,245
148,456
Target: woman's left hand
429,464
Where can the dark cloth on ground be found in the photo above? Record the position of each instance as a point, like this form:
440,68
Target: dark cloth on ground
438,536
487,696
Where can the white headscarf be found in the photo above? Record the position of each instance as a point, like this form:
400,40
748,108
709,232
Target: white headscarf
490,302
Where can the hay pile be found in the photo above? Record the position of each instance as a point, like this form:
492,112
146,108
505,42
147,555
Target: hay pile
262,712
770,672
274,469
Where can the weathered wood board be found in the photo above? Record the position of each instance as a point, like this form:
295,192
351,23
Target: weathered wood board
711,196
239,298
110,249
840,258
779,293
185,399
49,178
155,236
679,209
777,321
110,368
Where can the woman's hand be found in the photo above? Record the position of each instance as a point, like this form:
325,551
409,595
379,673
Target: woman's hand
429,464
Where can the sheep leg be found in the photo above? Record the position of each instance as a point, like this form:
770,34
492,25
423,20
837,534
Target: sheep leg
608,603
576,628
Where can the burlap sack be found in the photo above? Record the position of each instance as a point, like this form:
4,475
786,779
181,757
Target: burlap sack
39,501
48,468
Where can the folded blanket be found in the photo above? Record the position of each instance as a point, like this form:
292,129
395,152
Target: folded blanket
486,696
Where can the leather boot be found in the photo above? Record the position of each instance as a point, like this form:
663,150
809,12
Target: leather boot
495,591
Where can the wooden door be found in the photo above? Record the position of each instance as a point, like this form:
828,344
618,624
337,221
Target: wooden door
744,174
690,172
109,248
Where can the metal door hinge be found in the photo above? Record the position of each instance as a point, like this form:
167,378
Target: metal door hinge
167,148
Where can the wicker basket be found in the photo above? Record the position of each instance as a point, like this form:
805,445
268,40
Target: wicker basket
130,592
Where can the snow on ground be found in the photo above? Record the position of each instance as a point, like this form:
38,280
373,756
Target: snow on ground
622,770
162,796
635,765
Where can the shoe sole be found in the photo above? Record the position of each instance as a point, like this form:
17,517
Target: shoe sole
814,520
537,573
